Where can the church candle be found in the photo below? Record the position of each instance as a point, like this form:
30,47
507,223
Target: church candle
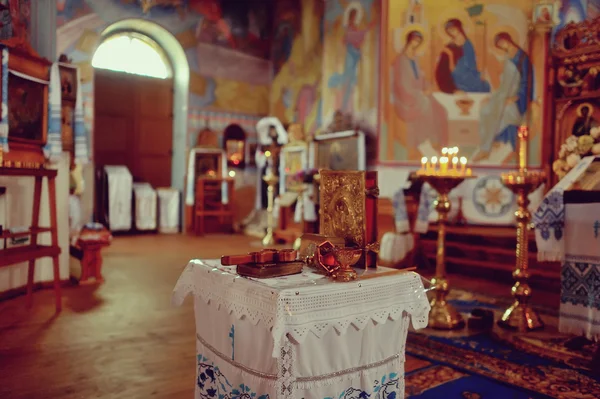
433,164
463,164
469,172
424,165
445,151
454,162
523,136
444,165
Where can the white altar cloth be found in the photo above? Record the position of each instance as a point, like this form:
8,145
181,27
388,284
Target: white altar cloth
145,206
301,336
580,274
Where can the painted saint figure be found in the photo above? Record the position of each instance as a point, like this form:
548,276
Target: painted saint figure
584,122
456,69
425,118
353,40
505,109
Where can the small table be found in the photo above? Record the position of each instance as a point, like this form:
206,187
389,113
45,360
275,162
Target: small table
301,336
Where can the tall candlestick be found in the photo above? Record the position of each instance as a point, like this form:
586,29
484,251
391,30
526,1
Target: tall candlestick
523,134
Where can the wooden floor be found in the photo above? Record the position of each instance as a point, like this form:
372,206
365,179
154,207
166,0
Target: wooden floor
122,339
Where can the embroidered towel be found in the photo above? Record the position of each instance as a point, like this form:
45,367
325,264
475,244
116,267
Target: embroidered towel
580,291
425,207
4,119
81,144
549,218
400,212
53,147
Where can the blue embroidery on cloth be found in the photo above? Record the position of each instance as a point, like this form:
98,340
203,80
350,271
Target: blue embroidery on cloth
212,384
580,283
386,388
232,336
551,215
425,203
399,204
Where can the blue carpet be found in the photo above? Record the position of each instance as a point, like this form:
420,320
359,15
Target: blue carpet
485,365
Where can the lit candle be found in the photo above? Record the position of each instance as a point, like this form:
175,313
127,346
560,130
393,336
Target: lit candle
523,134
455,150
433,164
444,151
444,165
423,164
454,162
469,172
463,164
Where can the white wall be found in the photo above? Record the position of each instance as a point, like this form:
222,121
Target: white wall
19,196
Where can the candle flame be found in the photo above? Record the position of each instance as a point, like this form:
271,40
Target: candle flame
455,160
267,153
463,160
424,160
434,160
444,151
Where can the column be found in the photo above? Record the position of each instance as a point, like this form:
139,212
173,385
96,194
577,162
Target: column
43,28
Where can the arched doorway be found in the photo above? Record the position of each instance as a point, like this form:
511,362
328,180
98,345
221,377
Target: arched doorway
180,79
133,107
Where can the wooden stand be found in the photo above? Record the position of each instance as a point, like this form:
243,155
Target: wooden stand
30,253
209,195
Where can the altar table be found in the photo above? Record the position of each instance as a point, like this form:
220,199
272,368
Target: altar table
301,336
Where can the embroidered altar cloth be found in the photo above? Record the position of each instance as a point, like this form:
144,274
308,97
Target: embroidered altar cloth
301,336
580,275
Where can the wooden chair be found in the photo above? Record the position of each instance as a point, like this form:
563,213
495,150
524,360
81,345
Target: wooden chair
209,202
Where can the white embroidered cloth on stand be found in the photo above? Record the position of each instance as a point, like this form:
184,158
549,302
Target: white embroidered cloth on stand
327,340
146,204
580,274
549,218
120,193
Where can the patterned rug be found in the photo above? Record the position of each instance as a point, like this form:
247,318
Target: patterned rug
497,364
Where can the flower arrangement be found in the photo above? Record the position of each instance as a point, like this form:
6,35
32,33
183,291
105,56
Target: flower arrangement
307,175
574,148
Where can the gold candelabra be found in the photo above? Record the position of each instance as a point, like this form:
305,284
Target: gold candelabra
520,316
271,181
442,315
443,179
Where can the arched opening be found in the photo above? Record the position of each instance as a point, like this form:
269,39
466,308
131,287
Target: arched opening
133,107
175,54
132,53
171,52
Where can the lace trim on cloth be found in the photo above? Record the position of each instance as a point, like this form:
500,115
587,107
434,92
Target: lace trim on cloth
286,381
312,308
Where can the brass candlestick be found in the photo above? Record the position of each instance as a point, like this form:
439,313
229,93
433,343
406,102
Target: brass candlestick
271,181
520,316
442,315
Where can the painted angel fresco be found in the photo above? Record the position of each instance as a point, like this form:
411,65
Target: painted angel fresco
457,65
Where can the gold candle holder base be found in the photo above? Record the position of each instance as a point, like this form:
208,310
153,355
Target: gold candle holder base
271,180
442,315
520,316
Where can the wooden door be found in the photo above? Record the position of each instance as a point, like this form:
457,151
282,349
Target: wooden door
133,125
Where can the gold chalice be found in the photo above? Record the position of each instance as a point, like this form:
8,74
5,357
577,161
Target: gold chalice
346,257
